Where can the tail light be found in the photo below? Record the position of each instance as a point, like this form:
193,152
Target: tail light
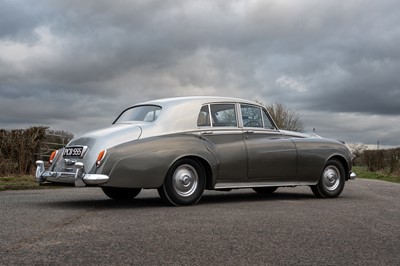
52,156
101,157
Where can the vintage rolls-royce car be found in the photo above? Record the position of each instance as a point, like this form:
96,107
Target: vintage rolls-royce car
182,146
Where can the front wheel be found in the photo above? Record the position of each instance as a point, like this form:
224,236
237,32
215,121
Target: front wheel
184,183
116,193
331,183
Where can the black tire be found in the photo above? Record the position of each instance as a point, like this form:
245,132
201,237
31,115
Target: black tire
184,184
331,182
265,190
121,193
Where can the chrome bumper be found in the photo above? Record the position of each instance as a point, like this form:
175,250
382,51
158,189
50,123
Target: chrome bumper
352,176
79,178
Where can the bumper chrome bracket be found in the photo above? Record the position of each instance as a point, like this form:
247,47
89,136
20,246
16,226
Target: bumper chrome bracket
79,178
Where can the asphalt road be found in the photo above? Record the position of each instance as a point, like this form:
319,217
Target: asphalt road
83,227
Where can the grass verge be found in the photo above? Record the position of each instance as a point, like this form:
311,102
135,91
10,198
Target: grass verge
362,172
20,183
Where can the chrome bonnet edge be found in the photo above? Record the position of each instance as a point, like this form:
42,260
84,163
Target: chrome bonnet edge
79,178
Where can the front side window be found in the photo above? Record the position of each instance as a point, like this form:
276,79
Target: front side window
251,116
143,113
223,115
267,121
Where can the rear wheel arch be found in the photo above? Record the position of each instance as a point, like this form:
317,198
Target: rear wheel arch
185,181
206,168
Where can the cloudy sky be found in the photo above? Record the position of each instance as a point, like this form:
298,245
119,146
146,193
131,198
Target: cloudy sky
74,65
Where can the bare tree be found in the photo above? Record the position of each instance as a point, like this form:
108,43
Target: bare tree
284,117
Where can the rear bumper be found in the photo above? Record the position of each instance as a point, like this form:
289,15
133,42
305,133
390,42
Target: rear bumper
78,178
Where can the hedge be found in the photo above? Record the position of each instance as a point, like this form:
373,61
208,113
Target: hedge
383,160
19,149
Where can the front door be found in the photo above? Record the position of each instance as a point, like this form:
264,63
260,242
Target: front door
271,156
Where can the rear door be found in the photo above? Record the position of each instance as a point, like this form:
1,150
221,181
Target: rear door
271,156
218,123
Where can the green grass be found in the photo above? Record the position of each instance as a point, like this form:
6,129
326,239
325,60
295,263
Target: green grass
362,172
18,182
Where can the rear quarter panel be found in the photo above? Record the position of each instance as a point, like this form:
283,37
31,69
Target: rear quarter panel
145,163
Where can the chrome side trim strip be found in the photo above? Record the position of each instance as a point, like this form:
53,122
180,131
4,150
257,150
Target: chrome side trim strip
232,185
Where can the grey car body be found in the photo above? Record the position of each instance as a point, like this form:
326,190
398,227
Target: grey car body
184,145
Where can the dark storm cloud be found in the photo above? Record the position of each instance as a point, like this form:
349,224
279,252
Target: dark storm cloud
68,62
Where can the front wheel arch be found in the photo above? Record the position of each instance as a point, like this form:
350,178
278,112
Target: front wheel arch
344,163
332,180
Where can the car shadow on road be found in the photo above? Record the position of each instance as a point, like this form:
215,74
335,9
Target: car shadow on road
105,204
156,202
235,197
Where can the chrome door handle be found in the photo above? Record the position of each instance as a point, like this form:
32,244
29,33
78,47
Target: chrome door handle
206,132
249,131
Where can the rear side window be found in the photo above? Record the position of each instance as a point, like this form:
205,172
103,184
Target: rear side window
217,115
203,120
223,115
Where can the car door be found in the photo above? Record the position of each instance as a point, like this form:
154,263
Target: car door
271,156
218,124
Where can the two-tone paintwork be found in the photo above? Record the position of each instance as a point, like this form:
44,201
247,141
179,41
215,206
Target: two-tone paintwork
140,154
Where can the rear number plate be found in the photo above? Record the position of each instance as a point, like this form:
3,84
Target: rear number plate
73,152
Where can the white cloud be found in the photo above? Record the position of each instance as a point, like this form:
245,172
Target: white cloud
291,83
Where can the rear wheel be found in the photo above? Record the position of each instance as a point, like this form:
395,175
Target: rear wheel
184,183
265,190
121,193
332,180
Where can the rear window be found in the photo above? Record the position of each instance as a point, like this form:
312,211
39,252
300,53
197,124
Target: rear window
143,113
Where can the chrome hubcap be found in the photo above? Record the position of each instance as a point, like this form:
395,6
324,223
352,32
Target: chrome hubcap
331,178
185,180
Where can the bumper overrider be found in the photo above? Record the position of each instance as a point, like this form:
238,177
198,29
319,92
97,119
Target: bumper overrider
352,176
79,178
